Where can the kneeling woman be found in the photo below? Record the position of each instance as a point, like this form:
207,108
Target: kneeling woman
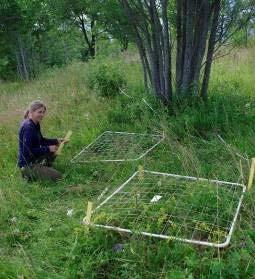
36,153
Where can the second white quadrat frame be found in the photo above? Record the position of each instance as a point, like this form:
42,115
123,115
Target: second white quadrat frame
118,147
170,206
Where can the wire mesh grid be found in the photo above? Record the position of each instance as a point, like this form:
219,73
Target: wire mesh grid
169,206
118,146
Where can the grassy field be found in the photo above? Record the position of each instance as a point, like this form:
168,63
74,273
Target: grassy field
212,140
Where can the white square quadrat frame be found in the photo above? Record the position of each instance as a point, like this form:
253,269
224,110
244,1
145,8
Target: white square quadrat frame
160,139
198,242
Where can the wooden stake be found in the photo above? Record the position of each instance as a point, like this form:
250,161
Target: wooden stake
252,170
163,135
241,171
67,137
88,213
141,173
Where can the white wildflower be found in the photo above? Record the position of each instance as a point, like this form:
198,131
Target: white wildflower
86,115
69,212
13,219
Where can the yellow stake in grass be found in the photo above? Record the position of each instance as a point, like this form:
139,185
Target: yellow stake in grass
88,214
252,170
66,138
141,173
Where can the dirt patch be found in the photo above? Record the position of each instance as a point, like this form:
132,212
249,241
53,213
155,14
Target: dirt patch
9,116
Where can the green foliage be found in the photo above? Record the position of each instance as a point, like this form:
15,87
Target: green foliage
106,78
33,38
114,20
7,67
127,112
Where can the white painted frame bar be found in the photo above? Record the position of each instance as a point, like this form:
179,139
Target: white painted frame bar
204,243
161,138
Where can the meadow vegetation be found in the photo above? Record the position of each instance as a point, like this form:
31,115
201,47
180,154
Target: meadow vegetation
212,140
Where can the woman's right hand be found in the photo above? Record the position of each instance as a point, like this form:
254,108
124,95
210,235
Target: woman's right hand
53,148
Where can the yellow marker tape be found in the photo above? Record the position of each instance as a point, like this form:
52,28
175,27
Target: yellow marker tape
252,170
66,138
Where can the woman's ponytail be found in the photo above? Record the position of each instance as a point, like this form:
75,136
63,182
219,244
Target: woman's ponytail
26,114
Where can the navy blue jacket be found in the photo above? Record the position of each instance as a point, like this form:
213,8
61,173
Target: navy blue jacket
32,145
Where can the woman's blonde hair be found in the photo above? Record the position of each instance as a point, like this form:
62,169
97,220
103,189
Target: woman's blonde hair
35,105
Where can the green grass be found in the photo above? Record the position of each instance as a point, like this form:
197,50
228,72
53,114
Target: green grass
39,240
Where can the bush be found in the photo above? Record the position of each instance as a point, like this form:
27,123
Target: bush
240,38
106,79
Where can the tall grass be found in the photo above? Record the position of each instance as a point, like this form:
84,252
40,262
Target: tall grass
212,140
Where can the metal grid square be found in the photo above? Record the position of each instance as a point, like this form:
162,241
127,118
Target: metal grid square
169,206
118,146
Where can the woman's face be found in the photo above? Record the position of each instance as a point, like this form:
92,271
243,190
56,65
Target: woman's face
37,115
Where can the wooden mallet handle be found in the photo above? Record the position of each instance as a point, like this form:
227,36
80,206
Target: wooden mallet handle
251,176
66,138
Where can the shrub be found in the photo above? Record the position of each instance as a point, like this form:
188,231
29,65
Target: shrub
106,79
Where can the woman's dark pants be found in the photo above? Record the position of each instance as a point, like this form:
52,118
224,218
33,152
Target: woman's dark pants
41,169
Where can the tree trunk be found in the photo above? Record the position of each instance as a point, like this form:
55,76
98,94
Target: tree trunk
200,36
157,64
179,45
91,44
211,45
167,54
22,59
92,48
190,6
